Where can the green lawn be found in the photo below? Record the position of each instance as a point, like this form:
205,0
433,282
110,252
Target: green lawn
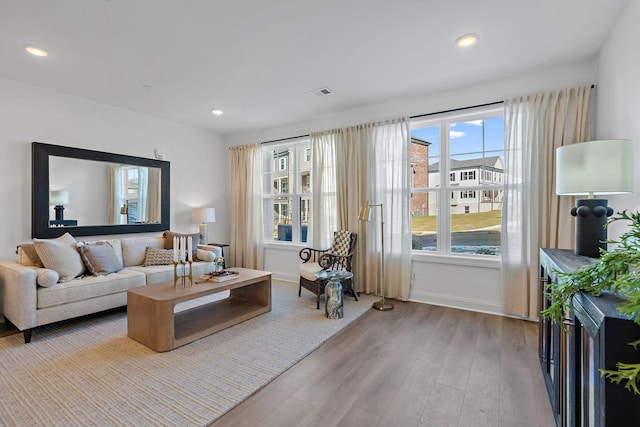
459,222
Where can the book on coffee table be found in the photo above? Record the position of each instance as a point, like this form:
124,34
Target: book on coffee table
220,276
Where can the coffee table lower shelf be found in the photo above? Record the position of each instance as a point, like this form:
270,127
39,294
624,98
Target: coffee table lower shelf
152,320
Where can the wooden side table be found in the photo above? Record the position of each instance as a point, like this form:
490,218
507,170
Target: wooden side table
221,245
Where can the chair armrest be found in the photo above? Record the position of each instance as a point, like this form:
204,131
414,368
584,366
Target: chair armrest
336,262
310,254
19,297
216,249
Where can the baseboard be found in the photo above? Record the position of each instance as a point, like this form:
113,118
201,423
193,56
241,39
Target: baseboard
490,307
286,277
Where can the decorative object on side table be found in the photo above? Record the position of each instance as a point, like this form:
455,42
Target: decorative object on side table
618,271
203,216
593,168
182,254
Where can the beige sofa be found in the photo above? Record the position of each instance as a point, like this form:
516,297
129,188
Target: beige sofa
33,296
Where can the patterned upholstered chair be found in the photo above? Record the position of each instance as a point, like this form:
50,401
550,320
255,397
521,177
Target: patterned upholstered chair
338,257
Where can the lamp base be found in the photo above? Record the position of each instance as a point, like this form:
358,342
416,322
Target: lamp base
204,234
591,226
382,305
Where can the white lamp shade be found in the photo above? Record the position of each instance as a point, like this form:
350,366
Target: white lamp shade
595,167
203,215
58,197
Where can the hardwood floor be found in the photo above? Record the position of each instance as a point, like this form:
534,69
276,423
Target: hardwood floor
418,365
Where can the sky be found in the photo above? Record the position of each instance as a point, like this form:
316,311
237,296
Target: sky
466,139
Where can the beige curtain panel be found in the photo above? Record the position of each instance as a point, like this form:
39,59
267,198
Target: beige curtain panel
245,207
533,216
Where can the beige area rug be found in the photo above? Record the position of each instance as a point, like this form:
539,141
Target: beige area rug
87,372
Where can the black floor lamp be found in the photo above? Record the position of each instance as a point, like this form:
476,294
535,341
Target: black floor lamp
365,215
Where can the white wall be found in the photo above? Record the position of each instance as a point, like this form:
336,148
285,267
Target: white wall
618,99
466,283
28,113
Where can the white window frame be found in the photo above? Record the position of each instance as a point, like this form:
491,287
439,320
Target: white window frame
294,184
446,192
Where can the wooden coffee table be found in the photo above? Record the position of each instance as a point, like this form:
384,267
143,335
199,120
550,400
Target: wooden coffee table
152,321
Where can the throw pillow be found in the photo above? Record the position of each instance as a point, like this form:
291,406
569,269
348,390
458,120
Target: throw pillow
156,256
100,258
206,256
341,243
46,277
61,255
168,240
28,256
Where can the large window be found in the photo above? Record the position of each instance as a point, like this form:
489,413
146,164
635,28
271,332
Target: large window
287,190
471,147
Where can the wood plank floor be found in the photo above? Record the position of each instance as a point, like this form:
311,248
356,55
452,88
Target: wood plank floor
418,365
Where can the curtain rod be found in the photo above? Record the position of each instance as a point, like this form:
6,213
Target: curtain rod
488,104
285,139
457,109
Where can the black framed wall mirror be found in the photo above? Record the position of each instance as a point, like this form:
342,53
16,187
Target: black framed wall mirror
86,192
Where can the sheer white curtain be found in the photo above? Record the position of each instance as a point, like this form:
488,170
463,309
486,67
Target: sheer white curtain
371,164
245,207
533,216
389,177
323,221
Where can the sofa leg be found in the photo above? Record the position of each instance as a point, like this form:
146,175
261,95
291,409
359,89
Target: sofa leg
27,335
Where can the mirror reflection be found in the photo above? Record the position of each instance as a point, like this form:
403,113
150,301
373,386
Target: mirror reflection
107,194
90,193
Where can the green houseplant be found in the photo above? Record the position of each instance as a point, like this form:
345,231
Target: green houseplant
617,270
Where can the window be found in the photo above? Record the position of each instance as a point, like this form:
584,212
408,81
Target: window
283,163
469,147
287,190
468,175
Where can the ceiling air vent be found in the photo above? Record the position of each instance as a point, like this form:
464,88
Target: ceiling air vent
321,92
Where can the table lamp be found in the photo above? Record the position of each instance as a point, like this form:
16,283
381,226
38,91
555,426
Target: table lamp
203,216
593,168
59,199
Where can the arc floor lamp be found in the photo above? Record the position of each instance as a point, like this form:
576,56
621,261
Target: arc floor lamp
365,215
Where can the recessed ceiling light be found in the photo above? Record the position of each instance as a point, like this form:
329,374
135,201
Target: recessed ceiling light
216,112
35,50
467,40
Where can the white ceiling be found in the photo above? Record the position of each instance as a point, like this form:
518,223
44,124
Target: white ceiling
258,60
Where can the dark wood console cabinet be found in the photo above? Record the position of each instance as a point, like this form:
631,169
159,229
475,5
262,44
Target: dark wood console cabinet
596,337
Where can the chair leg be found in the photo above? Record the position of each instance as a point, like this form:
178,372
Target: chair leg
27,335
299,289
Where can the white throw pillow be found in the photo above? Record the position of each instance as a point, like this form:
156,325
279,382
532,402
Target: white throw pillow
203,255
46,277
61,255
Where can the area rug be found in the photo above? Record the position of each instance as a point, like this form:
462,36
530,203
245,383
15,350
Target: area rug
87,372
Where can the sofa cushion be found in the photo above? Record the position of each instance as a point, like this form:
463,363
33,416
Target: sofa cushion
156,256
61,255
88,287
28,256
195,240
134,249
308,270
100,258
